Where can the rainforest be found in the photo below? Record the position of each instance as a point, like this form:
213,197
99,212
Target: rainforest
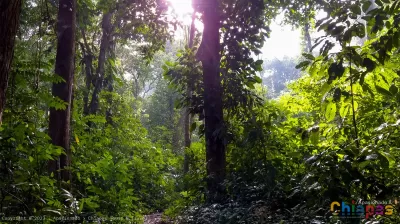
200,111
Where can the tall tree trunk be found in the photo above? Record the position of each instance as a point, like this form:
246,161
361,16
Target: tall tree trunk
192,29
177,134
110,89
188,141
104,48
88,61
307,36
137,88
59,125
9,17
110,84
186,125
209,55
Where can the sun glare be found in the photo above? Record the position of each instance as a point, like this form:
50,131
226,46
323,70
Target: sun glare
284,40
183,9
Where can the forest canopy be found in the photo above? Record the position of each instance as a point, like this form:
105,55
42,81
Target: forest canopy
140,111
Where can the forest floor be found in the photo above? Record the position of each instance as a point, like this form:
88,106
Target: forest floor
153,218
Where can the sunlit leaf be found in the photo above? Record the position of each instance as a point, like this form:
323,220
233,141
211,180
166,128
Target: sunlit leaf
330,111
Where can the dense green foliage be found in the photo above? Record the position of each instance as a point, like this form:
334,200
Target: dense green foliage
326,128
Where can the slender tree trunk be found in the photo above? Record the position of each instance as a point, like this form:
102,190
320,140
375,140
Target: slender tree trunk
192,29
104,48
307,36
110,85
59,125
209,55
136,91
186,125
88,80
88,61
188,141
9,21
110,89
176,143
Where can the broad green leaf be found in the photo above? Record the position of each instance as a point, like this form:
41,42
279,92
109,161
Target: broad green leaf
314,137
308,56
169,63
367,88
344,110
363,164
330,111
184,194
259,62
303,64
390,158
355,105
258,79
383,91
325,88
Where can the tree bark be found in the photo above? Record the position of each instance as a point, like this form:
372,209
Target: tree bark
136,92
188,141
110,85
104,48
9,16
307,36
59,125
88,80
88,61
209,55
177,134
186,125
